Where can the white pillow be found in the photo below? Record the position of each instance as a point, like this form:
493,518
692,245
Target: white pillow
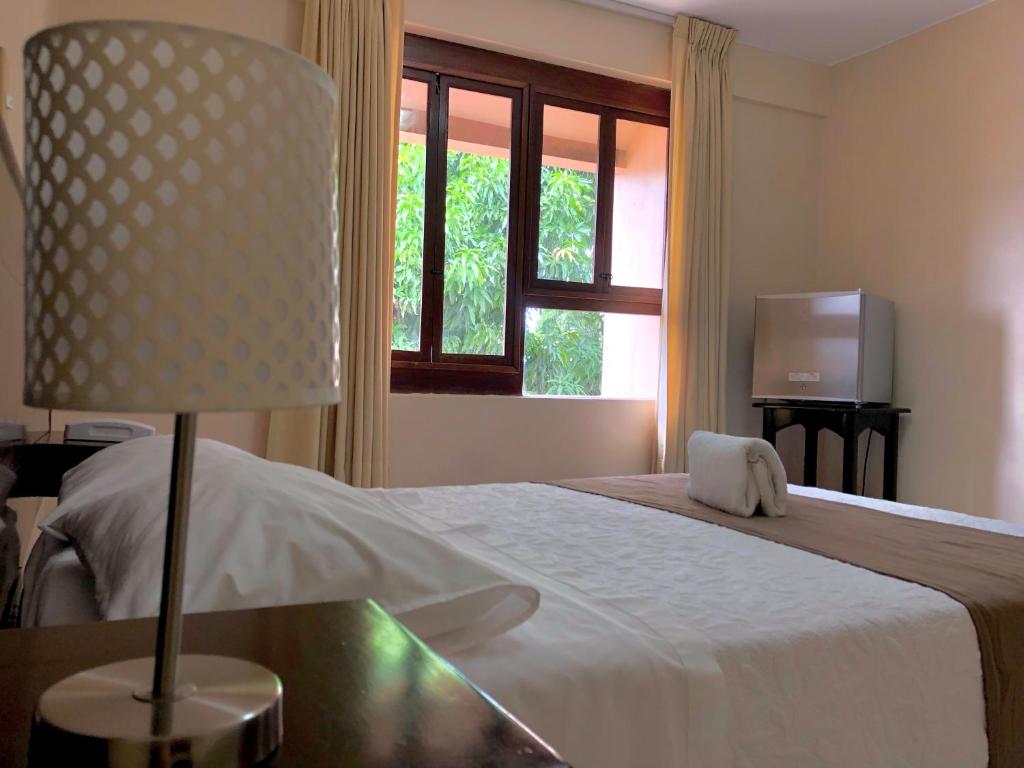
262,534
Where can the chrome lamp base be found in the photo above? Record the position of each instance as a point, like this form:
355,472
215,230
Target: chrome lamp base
225,713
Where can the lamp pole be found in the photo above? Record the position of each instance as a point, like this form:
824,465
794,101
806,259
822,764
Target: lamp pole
168,640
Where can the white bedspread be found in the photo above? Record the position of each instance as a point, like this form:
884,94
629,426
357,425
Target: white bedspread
665,642
825,665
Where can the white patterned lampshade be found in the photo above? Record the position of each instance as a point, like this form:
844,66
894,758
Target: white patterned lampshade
181,226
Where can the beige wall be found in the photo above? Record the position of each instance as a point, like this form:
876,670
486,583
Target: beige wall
460,439
924,204
19,20
769,78
610,43
275,21
776,190
555,31
773,235
278,22
527,439
12,286
919,167
779,120
780,102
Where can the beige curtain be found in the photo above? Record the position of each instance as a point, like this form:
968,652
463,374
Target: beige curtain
359,43
692,387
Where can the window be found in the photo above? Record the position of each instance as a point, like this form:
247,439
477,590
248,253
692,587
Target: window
567,224
478,194
412,160
573,352
530,233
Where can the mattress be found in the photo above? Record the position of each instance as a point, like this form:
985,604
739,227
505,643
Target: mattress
754,654
58,587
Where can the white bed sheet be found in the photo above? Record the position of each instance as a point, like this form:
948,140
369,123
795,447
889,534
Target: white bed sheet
600,680
690,645
824,664
58,588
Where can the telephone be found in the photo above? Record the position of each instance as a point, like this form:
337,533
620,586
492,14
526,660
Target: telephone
106,431
12,432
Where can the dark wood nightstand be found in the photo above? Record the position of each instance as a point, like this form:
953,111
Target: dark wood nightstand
41,461
360,691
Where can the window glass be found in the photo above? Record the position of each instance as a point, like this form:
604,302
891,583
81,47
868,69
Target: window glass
631,353
476,223
568,195
590,354
638,219
504,233
407,309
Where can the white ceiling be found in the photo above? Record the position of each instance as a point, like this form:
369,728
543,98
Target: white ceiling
825,31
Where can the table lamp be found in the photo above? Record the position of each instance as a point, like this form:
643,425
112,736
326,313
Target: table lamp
180,256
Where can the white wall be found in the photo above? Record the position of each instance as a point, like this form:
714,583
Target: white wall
924,204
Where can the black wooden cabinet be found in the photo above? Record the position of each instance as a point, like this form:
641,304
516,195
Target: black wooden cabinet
848,420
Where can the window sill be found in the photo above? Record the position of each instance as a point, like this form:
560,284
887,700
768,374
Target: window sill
591,397
480,380
535,398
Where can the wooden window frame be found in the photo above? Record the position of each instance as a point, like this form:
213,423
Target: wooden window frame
530,84
443,367
600,294
430,235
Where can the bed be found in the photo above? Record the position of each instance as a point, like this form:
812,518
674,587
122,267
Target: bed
681,641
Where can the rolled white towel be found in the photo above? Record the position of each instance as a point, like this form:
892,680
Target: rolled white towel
735,474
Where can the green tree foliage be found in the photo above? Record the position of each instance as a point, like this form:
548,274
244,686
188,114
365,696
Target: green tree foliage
408,293
563,352
568,205
563,348
475,254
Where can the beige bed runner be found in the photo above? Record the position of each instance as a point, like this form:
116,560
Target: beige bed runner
982,570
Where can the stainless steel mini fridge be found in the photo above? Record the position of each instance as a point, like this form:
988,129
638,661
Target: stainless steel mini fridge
824,346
